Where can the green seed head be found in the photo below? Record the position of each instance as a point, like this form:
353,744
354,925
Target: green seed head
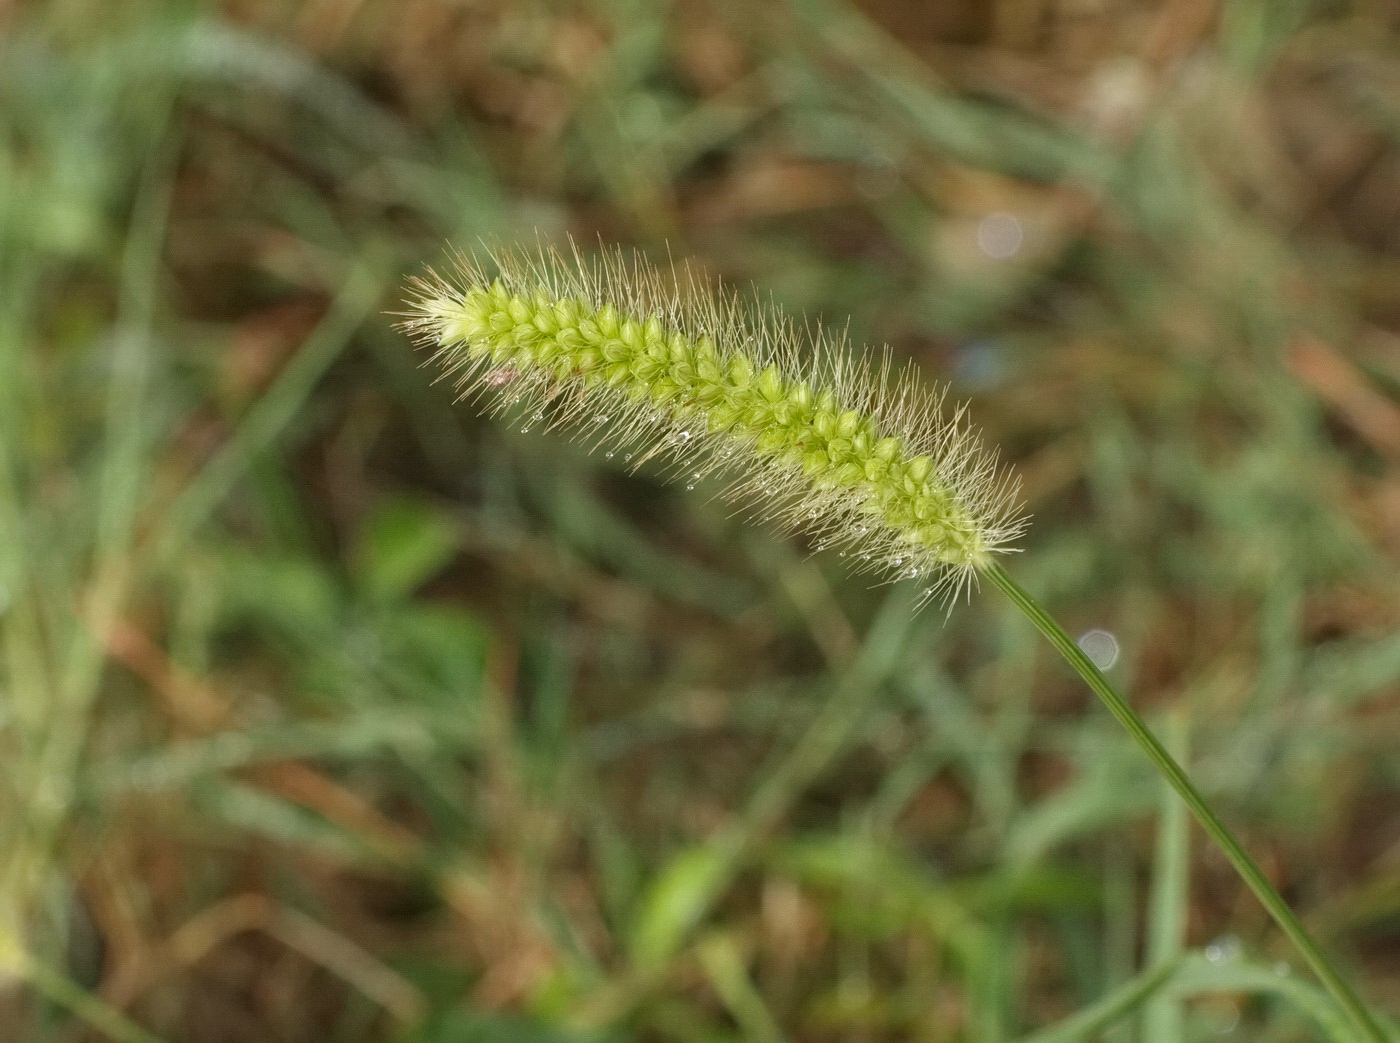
663,365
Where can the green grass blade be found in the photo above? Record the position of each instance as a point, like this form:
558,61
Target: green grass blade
1171,873
1118,1004
275,410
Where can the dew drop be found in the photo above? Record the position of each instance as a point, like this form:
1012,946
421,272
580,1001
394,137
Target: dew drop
1100,646
1226,1019
1000,236
610,454
683,436
1223,949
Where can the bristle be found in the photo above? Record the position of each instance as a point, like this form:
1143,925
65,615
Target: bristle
654,364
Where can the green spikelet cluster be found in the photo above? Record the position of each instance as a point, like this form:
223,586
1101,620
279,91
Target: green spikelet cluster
814,439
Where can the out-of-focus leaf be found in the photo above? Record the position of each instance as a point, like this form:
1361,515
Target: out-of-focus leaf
287,591
672,904
443,642
402,544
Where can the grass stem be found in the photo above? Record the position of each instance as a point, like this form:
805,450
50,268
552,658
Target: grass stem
67,994
1244,864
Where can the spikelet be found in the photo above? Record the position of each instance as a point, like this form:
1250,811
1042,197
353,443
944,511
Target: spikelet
644,363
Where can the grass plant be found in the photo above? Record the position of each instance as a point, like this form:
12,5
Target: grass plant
820,442
329,710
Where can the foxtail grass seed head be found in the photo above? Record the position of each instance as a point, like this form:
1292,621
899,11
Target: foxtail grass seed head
647,363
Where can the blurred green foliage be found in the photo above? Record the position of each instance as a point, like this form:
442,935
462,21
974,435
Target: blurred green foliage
329,710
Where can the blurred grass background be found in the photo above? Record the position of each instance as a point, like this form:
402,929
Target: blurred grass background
329,710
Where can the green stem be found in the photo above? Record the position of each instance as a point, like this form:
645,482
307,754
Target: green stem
1172,771
98,1013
